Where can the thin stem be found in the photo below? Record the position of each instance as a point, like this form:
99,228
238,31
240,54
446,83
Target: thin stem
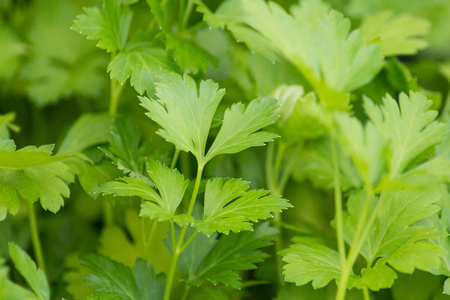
288,170
108,213
116,90
181,6
366,294
189,241
187,13
338,204
172,230
36,241
179,247
362,229
174,158
277,166
149,236
269,165
252,283
187,288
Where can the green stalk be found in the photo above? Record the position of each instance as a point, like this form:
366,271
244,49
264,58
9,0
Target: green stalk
186,291
269,166
115,91
338,204
174,158
179,247
186,15
35,240
366,294
361,232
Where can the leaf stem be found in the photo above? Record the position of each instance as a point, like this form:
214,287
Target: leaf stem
174,158
116,90
35,240
338,204
362,229
269,165
366,294
187,288
186,15
179,247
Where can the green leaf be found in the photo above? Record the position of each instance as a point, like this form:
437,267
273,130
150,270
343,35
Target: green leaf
240,123
33,173
27,268
319,43
228,207
81,136
376,278
10,290
102,296
232,253
150,286
394,33
184,112
142,61
316,263
191,57
113,278
408,127
110,276
171,186
110,27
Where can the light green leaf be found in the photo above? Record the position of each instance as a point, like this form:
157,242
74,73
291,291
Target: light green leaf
110,27
142,61
379,277
395,34
316,263
10,290
12,50
27,268
184,112
408,127
318,42
34,174
228,207
232,253
170,184
240,123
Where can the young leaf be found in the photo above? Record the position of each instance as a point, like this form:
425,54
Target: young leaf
27,268
232,253
394,33
316,263
110,27
228,207
171,186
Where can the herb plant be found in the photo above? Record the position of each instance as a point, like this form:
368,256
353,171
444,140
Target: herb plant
238,149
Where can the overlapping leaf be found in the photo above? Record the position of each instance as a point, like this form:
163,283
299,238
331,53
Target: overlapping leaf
229,207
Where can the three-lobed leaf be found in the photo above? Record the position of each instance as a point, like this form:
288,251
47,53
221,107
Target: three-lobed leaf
230,207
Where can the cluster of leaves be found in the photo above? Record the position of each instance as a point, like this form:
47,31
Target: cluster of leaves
165,207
